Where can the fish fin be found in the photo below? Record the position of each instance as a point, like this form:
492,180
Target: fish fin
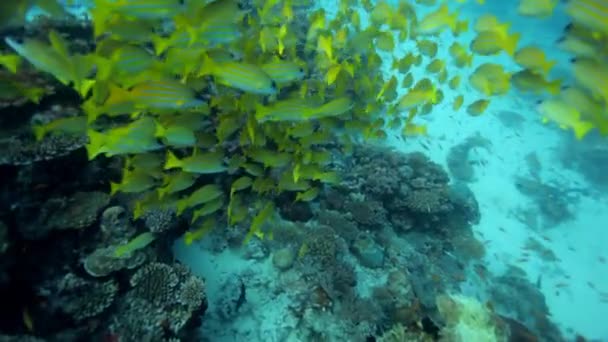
96,144
39,132
581,129
160,44
510,43
554,87
207,66
172,161
114,188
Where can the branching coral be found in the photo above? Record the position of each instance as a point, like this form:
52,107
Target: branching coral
156,283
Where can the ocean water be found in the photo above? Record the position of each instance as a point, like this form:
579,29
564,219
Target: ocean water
513,249
572,284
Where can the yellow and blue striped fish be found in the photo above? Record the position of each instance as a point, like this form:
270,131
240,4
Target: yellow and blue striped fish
242,76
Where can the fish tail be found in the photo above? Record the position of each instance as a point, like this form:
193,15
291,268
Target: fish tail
581,128
510,44
11,62
160,131
554,87
114,188
172,161
469,60
39,132
160,44
460,27
548,66
188,238
181,206
207,66
96,143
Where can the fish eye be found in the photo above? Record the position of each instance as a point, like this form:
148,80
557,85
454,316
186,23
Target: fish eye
273,85
539,102
573,60
302,70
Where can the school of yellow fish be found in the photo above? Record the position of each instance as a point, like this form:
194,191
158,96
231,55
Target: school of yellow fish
185,89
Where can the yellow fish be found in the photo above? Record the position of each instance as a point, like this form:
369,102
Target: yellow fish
592,75
437,21
565,115
589,13
528,80
239,75
460,55
458,102
536,8
533,58
478,107
417,97
199,162
490,79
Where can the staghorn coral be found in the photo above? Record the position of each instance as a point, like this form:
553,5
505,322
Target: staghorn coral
156,283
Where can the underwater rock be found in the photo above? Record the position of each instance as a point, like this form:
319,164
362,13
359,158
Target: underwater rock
343,225
370,214
283,258
256,249
19,151
4,238
81,298
525,302
295,211
80,210
553,201
464,201
231,297
369,253
115,225
458,157
400,333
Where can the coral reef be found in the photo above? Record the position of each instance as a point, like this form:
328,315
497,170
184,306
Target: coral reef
458,161
81,298
554,202
383,188
468,320
588,157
